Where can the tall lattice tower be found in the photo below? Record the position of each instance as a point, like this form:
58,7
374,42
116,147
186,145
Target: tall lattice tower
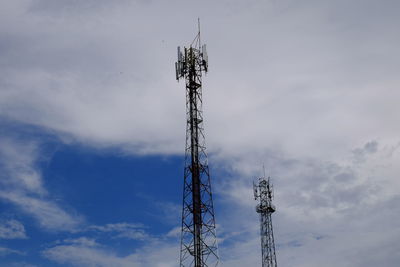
264,193
198,236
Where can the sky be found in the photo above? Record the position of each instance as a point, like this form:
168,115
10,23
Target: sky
92,130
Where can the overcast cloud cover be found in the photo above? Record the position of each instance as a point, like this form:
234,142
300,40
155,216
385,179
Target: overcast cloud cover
308,88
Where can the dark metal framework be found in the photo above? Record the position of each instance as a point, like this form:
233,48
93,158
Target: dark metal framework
198,236
264,193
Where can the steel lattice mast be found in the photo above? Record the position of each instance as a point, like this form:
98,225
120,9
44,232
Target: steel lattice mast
263,192
198,236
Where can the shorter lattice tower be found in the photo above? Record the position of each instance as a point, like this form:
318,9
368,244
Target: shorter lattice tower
264,193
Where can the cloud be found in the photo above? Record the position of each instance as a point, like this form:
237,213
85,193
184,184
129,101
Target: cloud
21,264
121,92
123,230
80,255
158,251
12,229
81,241
49,215
95,73
5,251
369,148
19,162
23,186
86,252
327,207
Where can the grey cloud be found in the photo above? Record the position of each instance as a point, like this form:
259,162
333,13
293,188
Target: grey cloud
343,202
71,6
344,177
361,153
371,147
96,77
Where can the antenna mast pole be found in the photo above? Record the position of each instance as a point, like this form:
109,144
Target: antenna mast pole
198,236
263,192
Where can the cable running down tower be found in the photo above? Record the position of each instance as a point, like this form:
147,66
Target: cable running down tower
264,193
198,236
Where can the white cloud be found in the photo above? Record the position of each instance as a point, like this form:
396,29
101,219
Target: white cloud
81,241
18,164
79,255
5,251
85,252
49,215
124,230
23,186
12,229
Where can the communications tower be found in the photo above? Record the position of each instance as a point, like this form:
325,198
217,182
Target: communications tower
264,193
198,236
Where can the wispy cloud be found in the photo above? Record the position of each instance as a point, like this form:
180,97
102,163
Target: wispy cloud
87,252
5,251
83,254
48,214
123,230
12,229
80,241
23,186
22,264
